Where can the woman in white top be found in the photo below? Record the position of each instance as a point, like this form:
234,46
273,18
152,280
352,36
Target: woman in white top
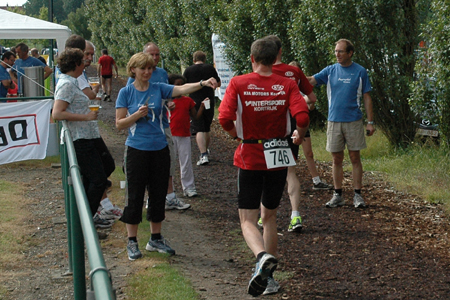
72,104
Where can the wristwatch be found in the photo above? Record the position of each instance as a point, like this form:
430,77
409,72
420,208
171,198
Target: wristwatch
370,123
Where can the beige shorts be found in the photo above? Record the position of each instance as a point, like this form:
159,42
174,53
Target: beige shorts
173,156
340,134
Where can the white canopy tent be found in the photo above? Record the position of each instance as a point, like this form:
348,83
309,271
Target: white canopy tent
17,26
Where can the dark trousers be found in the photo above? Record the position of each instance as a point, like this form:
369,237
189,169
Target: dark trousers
146,169
91,169
108,161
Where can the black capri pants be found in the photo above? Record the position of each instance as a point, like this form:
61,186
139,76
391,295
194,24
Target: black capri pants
146,169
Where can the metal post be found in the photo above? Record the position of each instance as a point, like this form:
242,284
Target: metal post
65,182
79,270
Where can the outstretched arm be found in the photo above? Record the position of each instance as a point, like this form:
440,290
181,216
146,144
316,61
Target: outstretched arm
188,88
312,80
47,71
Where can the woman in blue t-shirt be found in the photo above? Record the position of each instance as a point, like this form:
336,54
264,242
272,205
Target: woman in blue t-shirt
139,108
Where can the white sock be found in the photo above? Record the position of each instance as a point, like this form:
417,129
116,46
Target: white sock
316,180
170,196
294,214
106,204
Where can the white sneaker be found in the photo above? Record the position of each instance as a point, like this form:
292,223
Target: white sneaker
190,192
272,286
176,203
204,160
335,201
358,201
111,214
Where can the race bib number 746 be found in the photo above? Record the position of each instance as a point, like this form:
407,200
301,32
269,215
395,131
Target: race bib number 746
278,154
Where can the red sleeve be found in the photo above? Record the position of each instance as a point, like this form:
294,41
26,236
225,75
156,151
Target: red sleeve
298,108
304,85
302,119
227,125
228,106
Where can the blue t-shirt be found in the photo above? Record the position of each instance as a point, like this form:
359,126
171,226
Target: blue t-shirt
4,75
19,64
146,135
345,87
158,75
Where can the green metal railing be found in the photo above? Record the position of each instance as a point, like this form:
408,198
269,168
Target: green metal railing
79,224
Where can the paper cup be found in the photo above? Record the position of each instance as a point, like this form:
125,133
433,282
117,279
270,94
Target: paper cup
207,104
122,184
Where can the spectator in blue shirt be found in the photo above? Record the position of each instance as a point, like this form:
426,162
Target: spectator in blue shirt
346,82
25,61
6,82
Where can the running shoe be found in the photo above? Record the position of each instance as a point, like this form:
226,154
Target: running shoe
133,250
322,186
358,201
159,245
190,192
101,223
204,160
272,286
176,203
336,201
111,214
260,224
295,225
264,268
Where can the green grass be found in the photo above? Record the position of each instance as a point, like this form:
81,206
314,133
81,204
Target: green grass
39,163
155,278
12,234
160,281
422,170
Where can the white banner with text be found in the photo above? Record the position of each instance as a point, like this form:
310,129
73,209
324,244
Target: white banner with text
223,69
24,130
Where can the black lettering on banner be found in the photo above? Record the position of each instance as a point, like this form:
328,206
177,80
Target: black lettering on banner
3,138
13,133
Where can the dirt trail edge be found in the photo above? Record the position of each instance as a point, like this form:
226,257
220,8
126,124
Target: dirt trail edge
397,248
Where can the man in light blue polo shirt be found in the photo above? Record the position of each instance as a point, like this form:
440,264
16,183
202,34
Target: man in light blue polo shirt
25,61
347,82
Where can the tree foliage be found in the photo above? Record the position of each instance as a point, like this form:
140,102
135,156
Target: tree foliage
434,68
178,27
385,34
71,6
33,7
78,23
